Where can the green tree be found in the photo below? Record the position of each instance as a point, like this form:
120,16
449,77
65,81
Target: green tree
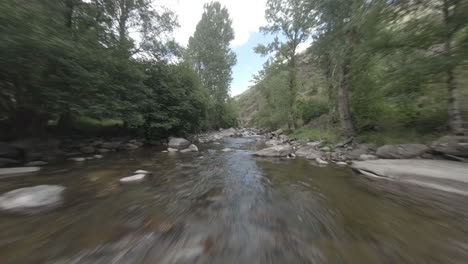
294,20
211,56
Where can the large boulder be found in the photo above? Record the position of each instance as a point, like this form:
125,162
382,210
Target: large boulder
402,151
449,176
308,152
178,143
452,145
275,151
32,200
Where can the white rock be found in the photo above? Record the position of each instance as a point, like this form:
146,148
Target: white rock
142,172
133,179
320,161
226,150
193,148
81,159
32,199
341,163
98,156
172,150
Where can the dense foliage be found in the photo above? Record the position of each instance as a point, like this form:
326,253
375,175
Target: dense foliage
61,60
375,66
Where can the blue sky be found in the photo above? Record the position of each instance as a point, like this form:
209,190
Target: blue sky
248,62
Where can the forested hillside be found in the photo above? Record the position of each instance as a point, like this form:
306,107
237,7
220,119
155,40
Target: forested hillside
63,61
373,67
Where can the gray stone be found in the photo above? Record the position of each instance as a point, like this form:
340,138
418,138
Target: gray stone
142,172
308,152
79,159
130,146
98,156
36,163
452,145
172,150
368,157
111,145
226,150
193,148
321,161
326,149
449,176
275,151
133,179
87,150
402,151
103,150
316,144
273,142
32,200
356,153
178,143
19,170
185,151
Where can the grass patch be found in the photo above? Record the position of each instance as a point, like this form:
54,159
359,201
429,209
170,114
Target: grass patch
327,135
377,139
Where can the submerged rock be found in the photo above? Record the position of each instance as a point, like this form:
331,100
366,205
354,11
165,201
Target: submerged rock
87,150
19,170
275,151
32,200
79,159
178,143
36,163
133,179
402,151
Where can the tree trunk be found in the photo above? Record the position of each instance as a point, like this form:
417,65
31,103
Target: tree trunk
455,117
345,87
292,94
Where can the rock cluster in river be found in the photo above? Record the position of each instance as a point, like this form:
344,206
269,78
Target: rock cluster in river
347,150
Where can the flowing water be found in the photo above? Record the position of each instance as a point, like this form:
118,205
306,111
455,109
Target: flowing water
225,207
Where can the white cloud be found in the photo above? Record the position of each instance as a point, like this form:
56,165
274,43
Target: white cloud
247,16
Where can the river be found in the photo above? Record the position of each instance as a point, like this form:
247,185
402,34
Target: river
225,207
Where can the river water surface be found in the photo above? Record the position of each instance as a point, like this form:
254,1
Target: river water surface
225,207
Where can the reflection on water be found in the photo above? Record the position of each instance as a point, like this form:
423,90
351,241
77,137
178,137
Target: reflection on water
225,207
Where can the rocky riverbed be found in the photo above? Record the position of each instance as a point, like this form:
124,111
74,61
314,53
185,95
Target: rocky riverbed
221,204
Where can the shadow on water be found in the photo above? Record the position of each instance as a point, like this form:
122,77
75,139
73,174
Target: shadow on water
225,207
